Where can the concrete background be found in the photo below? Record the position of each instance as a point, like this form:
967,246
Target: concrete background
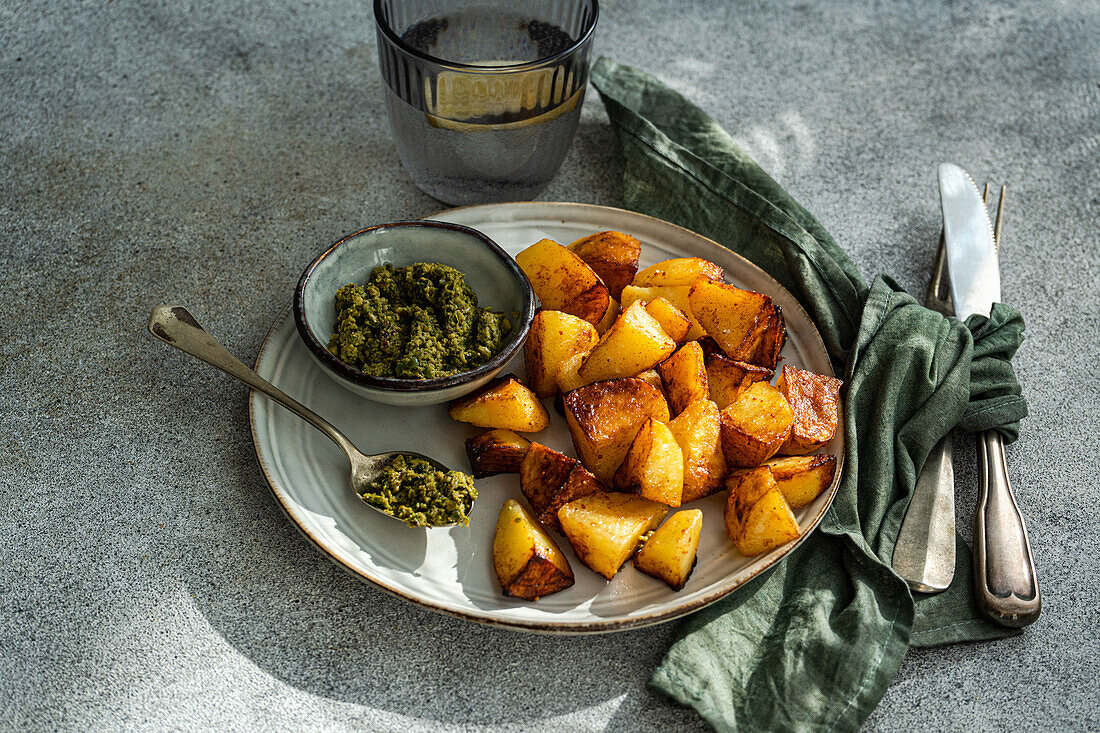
202,152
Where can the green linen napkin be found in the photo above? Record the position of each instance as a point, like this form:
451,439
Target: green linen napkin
814,643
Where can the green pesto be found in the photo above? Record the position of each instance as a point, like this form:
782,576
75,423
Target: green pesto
419,494
415,322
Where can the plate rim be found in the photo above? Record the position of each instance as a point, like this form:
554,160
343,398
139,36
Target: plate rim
601,626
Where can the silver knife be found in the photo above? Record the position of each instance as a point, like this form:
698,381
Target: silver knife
1007,590
924,553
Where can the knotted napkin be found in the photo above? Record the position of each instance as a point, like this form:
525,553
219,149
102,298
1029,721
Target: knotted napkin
814,643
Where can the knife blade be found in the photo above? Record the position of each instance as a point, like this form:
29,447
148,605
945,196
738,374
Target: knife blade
1006,587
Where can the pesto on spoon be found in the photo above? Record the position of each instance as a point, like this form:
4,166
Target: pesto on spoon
386,482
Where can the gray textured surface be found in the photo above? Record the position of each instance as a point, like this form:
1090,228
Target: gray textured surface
201,152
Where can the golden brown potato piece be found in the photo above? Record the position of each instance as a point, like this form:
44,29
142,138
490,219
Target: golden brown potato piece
802,478
504,402
669,553
549,479
813,399
527,561
679,271
613,255
733,317
684,377
672,319
651,377
654,466
496,451
757,516
605,417
727,378
554,336
766,353
675,294
605,528
563,281
635,343
755,425
567,376
698,430
609,317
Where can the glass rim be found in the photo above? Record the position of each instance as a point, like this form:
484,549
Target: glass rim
395,39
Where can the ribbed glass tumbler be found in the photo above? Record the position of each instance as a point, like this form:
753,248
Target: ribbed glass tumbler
484,96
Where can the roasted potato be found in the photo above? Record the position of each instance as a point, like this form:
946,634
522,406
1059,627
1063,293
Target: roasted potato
802,478
672,319
684,377
609,317
504,402
651,377
675,294
813,399
633,344
727,378
553,337
527,561
496,451
605,528
679,271
757,516
549,479
563,281
568,377
698,430
766,353
669,553
755,425
613,255
733,317
654,466
605,417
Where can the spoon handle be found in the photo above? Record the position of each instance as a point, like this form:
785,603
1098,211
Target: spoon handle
174,325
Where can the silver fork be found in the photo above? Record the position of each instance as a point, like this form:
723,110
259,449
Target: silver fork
924,554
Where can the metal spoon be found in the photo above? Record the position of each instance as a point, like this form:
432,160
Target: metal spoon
174,325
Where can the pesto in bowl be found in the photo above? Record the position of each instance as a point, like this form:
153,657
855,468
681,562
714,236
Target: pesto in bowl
421,321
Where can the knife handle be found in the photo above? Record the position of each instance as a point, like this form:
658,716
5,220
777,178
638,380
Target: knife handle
1004,571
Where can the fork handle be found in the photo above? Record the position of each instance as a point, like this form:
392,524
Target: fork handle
1004,571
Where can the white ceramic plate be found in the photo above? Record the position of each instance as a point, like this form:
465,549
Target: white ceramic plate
450,570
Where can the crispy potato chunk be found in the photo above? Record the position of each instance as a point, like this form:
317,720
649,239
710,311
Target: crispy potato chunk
757,516
605,417
504,402
755,426
669,553
605,528
652,378
635,343
553,337
766,353
802,478
672,319
609,317
733,317
679,271
496,451
727,378
654,466
813,399
563,281
698,431
567,376
684,377
613,255
528,563
549,479
675,294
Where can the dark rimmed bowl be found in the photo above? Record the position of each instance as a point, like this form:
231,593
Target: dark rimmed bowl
489,270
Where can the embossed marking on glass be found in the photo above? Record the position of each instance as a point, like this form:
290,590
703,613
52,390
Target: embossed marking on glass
484,97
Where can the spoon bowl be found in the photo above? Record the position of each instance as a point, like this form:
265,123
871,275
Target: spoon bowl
175,326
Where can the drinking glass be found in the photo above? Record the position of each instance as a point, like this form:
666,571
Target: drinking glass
484,96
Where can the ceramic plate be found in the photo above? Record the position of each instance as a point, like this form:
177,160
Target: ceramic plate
450,570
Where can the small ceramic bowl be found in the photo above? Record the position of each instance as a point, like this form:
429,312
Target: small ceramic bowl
490,271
